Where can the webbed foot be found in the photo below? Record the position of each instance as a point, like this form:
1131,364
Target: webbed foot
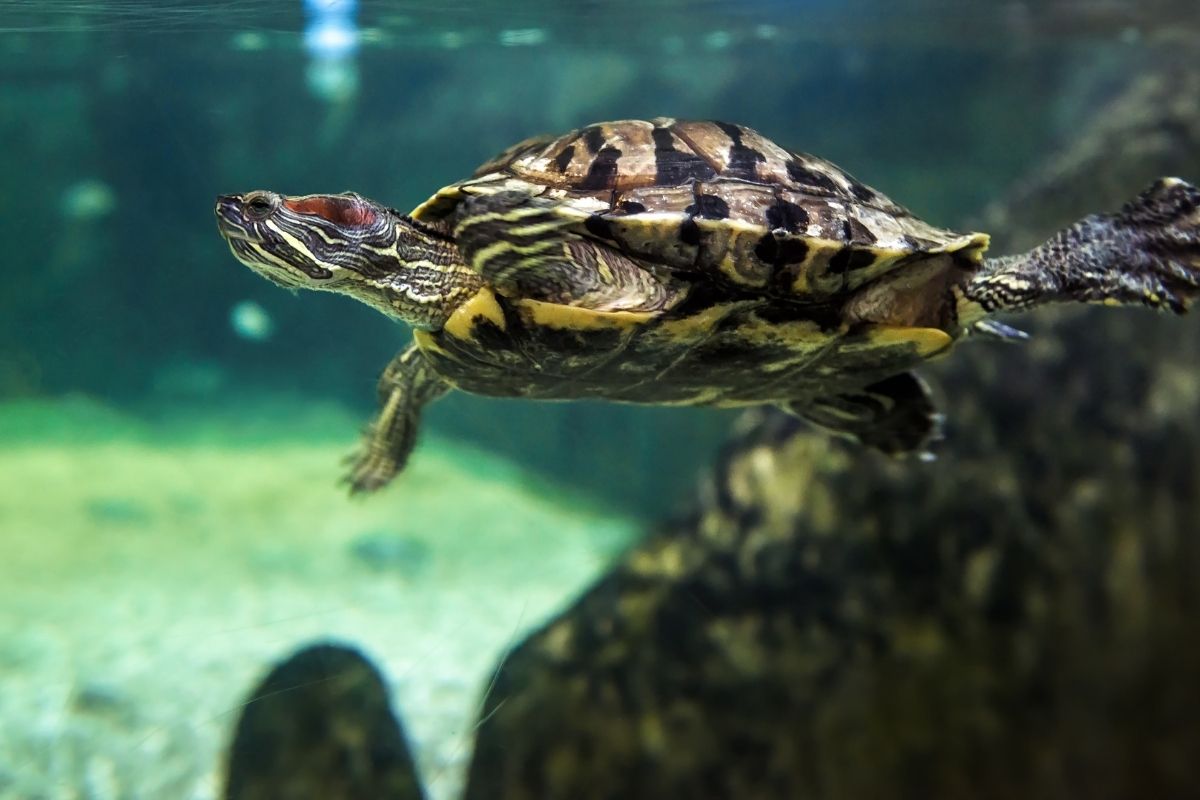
896,415
406,387
1148,253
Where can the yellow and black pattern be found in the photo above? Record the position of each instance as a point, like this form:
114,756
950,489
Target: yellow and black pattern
690,263
348,244
525,247
715,199
728,353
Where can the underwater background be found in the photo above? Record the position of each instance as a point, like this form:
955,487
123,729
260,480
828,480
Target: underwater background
172,426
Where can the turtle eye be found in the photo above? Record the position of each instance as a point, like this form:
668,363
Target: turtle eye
258,206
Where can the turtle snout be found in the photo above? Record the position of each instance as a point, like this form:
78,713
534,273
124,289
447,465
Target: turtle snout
231,218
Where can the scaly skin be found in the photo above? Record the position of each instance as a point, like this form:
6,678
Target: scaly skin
783,281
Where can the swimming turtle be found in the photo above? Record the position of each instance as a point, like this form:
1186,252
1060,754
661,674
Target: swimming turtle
689,263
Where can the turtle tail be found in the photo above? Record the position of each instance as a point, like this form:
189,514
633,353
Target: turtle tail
1148,253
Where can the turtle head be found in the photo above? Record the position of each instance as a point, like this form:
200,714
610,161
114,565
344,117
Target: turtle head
343,243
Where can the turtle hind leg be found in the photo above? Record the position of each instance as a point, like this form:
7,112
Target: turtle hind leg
1148,253
895,415
407,385
535,247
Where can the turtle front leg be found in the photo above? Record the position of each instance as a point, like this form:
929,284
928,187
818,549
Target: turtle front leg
1148,254
407,385
537,248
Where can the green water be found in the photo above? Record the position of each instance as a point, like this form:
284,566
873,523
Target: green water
170,517
128,122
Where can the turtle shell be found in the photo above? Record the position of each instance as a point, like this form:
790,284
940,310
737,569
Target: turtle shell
719,200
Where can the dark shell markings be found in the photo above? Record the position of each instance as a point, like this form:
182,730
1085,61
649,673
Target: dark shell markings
713,196
699,263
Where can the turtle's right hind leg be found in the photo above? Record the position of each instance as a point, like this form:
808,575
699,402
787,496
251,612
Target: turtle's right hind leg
1148,253
407,385
896,415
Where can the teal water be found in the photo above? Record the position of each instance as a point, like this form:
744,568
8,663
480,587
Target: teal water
128,121
171,425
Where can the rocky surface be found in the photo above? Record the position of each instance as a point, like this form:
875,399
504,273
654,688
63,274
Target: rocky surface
318,727
1018,619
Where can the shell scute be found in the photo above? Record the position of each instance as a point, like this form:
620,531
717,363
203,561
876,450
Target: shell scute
713,198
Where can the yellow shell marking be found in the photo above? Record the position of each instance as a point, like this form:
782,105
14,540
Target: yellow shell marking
439,203
425,341
462,322
794,333
556,315
928,341
696,326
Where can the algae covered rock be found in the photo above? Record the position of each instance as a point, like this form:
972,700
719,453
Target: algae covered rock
319,726
866,634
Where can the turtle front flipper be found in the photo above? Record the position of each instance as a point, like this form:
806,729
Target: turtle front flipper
1148,254
534,247
896,415
405,388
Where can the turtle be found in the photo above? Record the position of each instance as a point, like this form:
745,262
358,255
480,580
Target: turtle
676,262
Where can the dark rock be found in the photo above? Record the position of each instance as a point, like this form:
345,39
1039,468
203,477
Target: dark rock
320,727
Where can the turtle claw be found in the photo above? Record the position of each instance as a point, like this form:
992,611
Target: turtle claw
938,431
369,472
999,331
937,434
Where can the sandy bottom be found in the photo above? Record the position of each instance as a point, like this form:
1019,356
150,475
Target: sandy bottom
151,572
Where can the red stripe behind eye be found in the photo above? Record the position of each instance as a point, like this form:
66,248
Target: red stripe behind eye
346,211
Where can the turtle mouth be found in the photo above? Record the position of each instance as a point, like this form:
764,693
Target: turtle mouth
231,221
253,257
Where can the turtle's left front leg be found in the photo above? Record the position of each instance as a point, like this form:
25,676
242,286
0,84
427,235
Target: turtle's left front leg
535,247
405,388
